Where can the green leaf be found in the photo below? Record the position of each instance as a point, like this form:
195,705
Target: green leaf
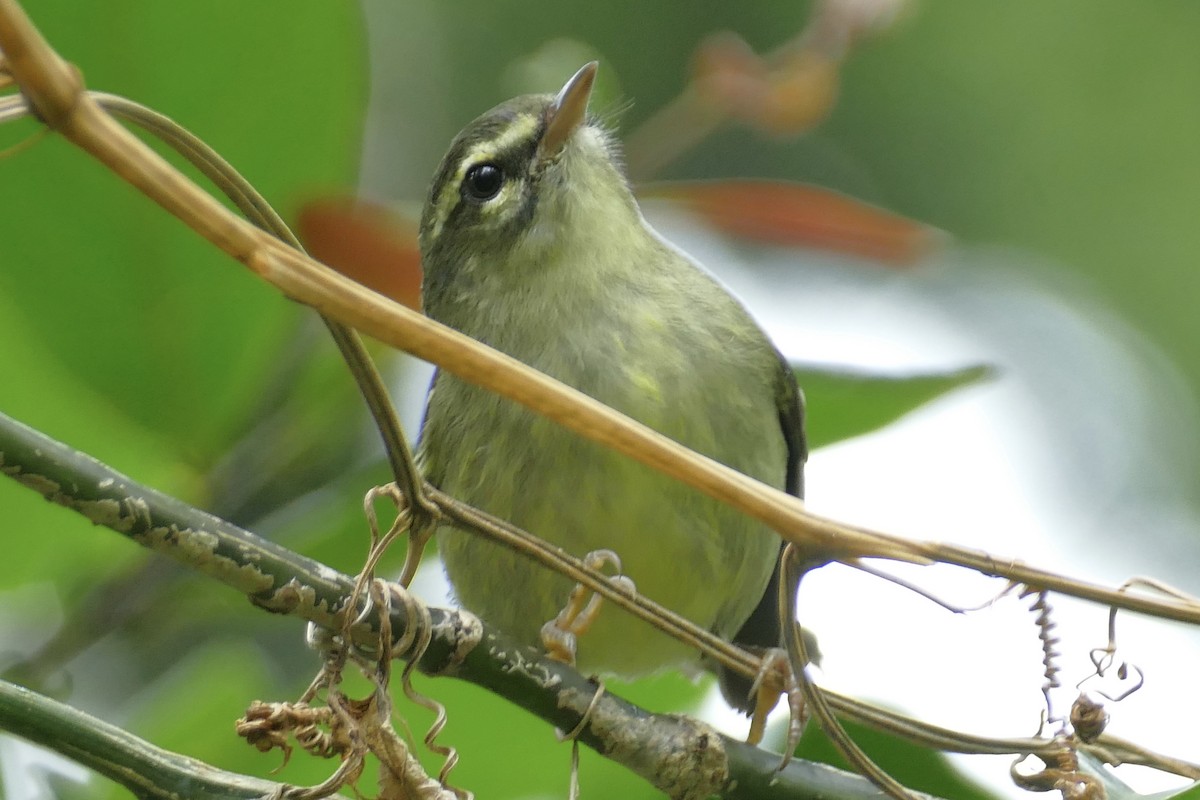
121,331
51,398
842,404
1187,793
157,322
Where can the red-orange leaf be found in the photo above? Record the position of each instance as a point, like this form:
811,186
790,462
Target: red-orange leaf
367,243
792,214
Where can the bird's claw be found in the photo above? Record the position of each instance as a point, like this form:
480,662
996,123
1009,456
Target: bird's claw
774,678
560,636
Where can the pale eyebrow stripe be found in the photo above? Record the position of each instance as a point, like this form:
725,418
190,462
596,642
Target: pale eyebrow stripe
521,128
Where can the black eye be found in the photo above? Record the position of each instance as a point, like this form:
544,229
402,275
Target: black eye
483,182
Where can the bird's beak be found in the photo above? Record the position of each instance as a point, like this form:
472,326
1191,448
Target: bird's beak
567,111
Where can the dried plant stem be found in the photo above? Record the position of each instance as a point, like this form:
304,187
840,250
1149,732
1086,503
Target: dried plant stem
54,90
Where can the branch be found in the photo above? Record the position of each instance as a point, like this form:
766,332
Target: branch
680,756
145,770
282,581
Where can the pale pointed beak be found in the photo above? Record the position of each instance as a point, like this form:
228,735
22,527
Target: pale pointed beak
567,111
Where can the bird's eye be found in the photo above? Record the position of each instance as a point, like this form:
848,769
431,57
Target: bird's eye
483,182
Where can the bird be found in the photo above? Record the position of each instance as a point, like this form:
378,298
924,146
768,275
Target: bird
532,242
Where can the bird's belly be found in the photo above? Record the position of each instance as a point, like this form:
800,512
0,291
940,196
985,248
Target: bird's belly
681,549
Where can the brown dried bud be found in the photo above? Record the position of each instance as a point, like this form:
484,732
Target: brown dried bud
1088,718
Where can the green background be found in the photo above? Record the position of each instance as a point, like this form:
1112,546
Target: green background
1067,130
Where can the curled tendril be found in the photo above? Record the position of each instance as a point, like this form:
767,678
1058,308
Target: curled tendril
1050,652
1103,658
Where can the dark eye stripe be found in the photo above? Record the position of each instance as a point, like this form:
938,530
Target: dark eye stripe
448,206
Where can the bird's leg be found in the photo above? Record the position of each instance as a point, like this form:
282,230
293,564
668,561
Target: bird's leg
774,678
561,634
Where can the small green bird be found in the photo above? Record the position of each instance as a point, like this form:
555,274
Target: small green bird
532,243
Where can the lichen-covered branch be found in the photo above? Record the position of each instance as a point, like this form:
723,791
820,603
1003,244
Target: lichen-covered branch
682,757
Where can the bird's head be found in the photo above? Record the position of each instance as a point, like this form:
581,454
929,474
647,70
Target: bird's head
529,179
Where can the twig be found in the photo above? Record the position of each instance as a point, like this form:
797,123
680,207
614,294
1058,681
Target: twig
789,91
147,771
672,753
793,572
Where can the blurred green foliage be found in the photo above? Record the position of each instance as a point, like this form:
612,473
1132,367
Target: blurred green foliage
124,334
842,404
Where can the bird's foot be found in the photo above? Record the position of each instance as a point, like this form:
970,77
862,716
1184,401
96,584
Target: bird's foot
560,636
775,678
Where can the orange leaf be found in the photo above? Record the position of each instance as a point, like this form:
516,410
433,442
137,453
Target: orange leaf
367,243
792,214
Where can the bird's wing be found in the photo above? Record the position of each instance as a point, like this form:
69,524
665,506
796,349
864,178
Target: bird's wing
763,628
